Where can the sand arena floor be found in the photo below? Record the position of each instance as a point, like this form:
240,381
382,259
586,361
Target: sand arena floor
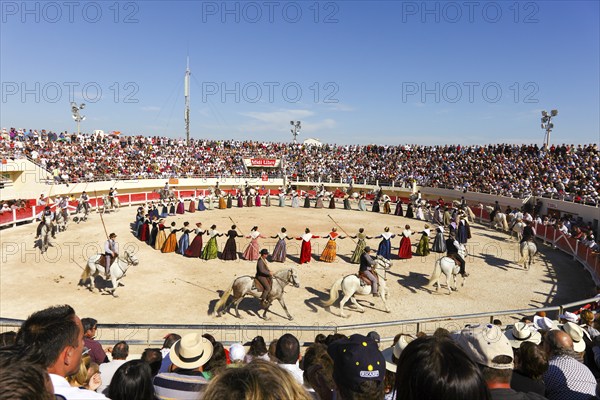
172,289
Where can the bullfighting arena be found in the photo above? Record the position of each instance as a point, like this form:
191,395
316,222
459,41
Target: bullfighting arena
172,289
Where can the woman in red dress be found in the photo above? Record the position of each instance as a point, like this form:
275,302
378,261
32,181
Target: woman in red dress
195,249
405,250
306,250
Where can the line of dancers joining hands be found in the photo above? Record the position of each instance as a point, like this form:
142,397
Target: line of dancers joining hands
153,230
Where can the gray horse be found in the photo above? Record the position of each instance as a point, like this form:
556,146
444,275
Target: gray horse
528,252
244,286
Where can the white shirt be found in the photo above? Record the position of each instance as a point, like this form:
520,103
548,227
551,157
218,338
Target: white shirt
295,370
107,371
62,387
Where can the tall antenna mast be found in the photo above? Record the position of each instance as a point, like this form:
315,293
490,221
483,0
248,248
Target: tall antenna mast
186,93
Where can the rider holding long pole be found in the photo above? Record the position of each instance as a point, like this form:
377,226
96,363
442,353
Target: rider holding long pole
111,251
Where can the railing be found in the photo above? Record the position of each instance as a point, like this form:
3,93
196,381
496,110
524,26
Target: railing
151,335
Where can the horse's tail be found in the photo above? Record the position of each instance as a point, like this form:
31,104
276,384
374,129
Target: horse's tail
221,303
85,275
435,275
334,293
504,223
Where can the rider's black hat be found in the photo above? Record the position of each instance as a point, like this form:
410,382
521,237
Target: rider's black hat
367,249
264,251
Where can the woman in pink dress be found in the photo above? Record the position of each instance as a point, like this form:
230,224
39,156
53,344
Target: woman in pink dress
252,250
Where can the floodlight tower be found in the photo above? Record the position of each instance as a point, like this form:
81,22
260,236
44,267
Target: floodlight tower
547,125
76,116
295,129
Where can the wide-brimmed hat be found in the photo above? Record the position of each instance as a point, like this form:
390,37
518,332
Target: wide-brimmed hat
191,351
576,333
543,323
367,249
392,354
483,343
264,251
521,332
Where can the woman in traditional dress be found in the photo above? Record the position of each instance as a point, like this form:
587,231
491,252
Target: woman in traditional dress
439,244
153,211
332,201
252,250
140,216
184,240
452,227
360,246
195,249
164,213
319,202
144,231
222,203
172,208
385,246
330,251
306,249
161,236
405,250
386,204
211,250
257,201
281,197
423,246
249,200
307,200
230,250
153,233
209,201
399,212
192,207
362,205
375,207
295,200
462,231
347,202
229,200
201,206
240,200
280,252
267,199
409,210
170,245
180,207
447,217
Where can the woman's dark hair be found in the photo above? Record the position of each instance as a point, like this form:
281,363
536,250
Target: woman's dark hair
258,347
283,230
133,380
436,368
218,360
533,361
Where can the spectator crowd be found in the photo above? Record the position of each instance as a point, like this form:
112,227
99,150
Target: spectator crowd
55,355
565,172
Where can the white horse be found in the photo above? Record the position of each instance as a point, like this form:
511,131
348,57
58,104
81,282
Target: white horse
499,221
107,206
448,267
117,270
350,285
517,229
528,251
244,286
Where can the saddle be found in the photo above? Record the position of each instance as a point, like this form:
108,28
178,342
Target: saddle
102,260
257,285
364,280
453,258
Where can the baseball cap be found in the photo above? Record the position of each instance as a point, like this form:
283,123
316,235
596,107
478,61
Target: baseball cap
355,360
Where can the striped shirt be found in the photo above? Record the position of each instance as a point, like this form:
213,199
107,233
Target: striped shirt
171,385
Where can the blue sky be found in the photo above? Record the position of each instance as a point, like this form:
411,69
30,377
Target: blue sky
385,72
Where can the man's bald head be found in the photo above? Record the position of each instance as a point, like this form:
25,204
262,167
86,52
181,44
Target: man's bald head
558,343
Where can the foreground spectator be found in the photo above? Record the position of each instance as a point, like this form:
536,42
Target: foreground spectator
258,380
170,340
153,358
257,350
487,346
132,381
358,368
90,327
287,352
566,378
186,380
119,353
22,378
55,337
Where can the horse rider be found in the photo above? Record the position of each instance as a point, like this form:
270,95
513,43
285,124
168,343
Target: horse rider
496,210
264,276
47,214
452,247
84,200
366,269
63,204
111,196
528,234
111,251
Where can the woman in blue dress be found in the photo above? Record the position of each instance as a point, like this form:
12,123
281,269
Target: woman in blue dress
385,246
